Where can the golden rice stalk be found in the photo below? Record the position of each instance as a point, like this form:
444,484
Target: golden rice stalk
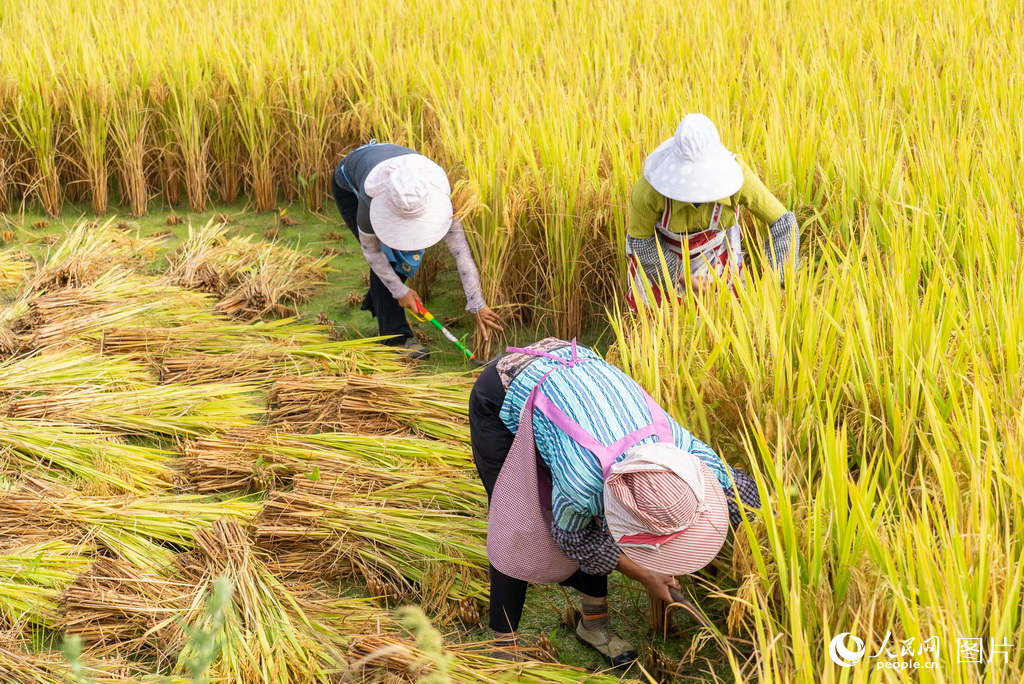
20,666
116,604
30,375
172,410
86,97
32,576
374,656
31,114
276,278
72,317
87,251
277,634
131,123
432,406
15,267
89,461
434,557
338,466
145,531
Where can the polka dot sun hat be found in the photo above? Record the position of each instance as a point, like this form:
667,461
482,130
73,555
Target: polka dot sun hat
693,165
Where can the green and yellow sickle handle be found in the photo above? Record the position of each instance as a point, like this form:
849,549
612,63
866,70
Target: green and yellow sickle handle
425,315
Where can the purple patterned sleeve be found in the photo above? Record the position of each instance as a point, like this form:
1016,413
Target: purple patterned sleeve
592,547
745,491
370,246
649,252
783,244
468,274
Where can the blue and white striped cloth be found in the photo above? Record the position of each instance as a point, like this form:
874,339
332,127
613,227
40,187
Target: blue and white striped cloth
606,403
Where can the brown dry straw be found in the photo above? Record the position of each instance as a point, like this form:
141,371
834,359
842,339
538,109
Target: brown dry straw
432,406
400,551
278,633
338,466
118,606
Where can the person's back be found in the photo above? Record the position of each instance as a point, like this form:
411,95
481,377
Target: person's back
607,405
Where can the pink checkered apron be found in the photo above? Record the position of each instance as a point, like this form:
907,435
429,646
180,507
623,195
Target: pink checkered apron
519,541
711,249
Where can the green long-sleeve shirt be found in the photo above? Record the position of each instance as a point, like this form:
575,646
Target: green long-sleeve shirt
646,206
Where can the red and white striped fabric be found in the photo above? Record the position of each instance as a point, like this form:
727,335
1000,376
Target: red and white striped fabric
712,249
665,509
663,506
519,541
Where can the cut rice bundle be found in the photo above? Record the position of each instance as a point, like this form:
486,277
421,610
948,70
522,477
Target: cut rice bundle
255,352
146,531
71,369
253,279
32,576
89,461
276,633
432,406
335,465
20,666
15,267
435,557
202,262
76,317
87,251
275,280
116,605
394,658
169,410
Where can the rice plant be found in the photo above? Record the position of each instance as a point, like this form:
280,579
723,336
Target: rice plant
433,406
879,411
186,102
32,576
337,466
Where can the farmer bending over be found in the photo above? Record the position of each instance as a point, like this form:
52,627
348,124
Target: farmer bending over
397,203
619,486
687,204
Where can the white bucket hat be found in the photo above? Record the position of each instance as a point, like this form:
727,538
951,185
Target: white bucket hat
693,165
412,205
665,509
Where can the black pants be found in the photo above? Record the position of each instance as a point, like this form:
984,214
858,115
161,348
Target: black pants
491,443
379,301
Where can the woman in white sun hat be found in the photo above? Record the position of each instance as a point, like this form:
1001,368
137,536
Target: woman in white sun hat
685,209
397,203
619,485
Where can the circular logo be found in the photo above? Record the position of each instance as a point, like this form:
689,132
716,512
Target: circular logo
843,656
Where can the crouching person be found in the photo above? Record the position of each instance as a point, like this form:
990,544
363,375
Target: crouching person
618,485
